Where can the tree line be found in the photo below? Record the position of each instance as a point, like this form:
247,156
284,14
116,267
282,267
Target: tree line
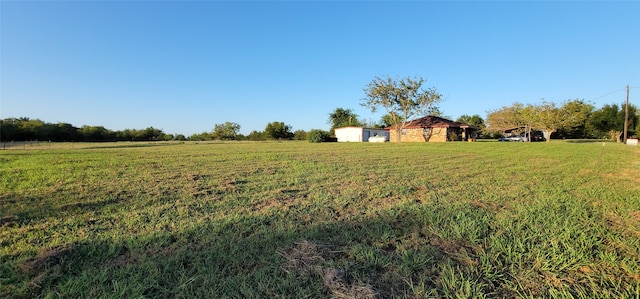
276,130
402,99
26,129
571,120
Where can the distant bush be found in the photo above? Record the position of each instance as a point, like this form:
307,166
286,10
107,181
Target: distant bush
300,135
317,136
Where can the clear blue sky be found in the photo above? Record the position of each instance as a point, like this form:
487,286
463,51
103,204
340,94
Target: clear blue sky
183,66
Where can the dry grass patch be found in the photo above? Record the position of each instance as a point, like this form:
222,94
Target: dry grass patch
307,258
335,280
304,258
456,250
627,224
44,265
8,221
280,200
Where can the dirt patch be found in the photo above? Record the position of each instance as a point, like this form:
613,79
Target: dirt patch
308,258
488,206
8,221
123,260
636,216
193,176
47,258
202,192
198,186
457,251
229,183
282,200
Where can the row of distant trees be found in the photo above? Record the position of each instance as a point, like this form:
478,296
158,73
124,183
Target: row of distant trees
231,131
26,129
403,99
572,119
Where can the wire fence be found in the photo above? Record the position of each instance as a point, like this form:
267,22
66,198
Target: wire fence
49,145
25,145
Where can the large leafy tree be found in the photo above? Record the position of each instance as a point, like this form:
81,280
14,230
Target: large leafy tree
474,120
342,118
549,118
278,130
387,120
226,131
403,99
63,132
582,110
96,133
152,133
517,116
317,136
257,136
24,128
300,135
609,121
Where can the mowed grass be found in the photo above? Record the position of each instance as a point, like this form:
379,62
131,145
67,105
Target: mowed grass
301,220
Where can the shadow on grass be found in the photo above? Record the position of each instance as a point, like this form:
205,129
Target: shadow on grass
23,209
398,252
586,140
260,256
131,144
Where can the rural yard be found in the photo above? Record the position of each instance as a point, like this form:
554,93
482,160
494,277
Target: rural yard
327,220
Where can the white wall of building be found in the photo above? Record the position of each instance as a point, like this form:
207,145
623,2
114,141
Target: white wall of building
349,134
359,134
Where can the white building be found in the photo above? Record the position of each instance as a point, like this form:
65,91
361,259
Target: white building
360,134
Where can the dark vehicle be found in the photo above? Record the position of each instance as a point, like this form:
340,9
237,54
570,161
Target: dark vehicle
537,138
522,138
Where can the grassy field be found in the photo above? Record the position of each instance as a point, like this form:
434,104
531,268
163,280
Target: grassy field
301,220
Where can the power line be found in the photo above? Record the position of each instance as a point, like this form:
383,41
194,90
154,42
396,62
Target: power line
626,88
609,93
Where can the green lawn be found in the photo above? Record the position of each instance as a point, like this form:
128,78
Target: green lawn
302,220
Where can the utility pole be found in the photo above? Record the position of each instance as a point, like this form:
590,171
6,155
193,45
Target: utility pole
626,118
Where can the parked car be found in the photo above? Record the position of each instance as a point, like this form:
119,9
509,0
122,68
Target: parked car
538,138
518,138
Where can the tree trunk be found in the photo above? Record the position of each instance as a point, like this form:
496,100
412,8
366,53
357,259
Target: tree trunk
547,135
615,135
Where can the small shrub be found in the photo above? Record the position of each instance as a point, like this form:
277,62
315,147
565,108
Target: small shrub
317,136
453,136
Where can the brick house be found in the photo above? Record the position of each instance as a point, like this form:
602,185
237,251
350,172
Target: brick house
433,129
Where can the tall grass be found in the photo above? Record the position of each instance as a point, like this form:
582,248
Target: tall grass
296,220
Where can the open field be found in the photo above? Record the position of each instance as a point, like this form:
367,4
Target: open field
301,220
